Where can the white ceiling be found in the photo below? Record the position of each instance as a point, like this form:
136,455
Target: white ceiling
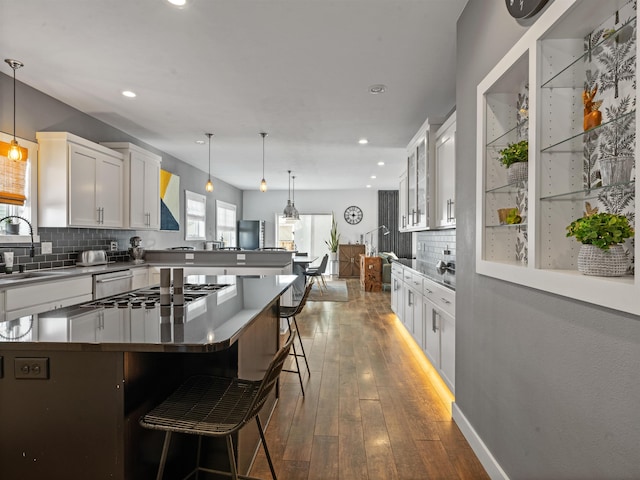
296,69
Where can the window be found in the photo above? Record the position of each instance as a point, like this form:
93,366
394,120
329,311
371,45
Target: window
29,209
195,215
226,223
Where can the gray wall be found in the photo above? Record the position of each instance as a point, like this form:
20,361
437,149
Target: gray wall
552,386
39,112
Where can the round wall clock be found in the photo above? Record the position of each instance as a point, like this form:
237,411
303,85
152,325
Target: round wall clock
524,8
353,215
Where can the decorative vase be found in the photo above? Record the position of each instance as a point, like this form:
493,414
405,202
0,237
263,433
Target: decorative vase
518,172
13,228
614,170
593,260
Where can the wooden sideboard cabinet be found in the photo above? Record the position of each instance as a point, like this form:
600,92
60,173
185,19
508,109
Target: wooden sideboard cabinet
349,260
371,273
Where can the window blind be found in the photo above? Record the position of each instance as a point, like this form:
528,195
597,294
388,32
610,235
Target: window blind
12,176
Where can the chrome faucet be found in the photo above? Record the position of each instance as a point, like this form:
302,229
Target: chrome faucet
33,248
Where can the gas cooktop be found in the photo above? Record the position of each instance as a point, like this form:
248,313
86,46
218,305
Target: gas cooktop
150,297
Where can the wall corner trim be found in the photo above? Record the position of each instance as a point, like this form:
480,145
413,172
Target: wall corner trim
490,464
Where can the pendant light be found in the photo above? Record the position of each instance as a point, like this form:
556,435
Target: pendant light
209,186
295,215
14,151
263,183
288,210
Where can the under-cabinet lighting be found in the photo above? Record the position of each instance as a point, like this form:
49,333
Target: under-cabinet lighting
373,176
380,164
129,94
363,141
178,3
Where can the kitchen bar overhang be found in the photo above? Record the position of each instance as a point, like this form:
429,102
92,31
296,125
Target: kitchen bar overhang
101,367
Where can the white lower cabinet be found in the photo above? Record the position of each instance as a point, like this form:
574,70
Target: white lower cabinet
140,278
45,296
427,311
396,289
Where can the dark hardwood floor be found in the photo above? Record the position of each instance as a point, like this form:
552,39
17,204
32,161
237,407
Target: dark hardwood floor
372,410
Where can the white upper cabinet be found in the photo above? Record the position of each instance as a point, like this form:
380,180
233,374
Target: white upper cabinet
416,214
80,183
142,186
568,88
445,174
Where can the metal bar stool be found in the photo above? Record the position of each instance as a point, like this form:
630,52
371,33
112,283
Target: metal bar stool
290,312
216,407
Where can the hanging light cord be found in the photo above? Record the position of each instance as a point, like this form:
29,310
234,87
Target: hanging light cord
263,135
209,135
14,102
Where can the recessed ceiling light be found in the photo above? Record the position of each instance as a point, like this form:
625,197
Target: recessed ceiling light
200,142
368,186
178,3
373,176
377,89
380,164
363,141
128,93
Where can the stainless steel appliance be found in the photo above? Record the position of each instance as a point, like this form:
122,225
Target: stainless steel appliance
92,257
112,283
150,297
250,234
136,251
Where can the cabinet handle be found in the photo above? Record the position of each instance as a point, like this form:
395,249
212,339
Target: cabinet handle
410,298
428,291
404,221
444,300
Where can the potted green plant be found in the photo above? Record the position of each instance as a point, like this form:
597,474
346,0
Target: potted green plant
515,158
601,235
334,239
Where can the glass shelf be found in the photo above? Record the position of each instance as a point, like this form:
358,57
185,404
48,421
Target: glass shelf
507,226
566,79
509,188
575,143
587,193
510,136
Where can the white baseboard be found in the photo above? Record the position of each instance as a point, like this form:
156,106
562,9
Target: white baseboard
487,460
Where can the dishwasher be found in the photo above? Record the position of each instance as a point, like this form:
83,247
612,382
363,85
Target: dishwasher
112,283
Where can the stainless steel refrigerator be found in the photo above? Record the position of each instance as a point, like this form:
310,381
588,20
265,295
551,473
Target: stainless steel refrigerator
250,234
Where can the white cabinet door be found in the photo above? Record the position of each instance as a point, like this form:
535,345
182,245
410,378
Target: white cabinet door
403,203
448,349
83,209
140,278
152,194
445,167
80,183
109,192
141,186
431,333
144,203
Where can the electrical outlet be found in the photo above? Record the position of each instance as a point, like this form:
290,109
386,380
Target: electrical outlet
114,246
36,368
47,247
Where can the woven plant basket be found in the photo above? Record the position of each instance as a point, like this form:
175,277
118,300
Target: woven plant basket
605,263
518,172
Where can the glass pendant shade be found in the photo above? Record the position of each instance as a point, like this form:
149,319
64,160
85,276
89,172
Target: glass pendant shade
288,211
209,186
295,215
15,153
263,183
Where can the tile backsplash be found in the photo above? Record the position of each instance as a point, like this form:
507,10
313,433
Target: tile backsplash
66,243
431,246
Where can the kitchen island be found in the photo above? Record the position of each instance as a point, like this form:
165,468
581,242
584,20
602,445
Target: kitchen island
74,381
